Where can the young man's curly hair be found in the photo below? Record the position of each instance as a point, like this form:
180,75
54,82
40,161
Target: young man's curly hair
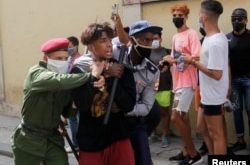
94,31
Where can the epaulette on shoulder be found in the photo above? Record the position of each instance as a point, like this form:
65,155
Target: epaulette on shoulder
151,67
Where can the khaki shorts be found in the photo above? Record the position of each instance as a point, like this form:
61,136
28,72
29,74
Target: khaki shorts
182,99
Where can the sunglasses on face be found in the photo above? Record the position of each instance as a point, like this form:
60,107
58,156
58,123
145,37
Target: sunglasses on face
178,15
237,19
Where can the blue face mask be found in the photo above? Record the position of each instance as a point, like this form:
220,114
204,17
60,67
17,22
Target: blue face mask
71,51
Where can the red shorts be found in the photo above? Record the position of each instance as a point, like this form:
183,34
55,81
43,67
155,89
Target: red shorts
118,153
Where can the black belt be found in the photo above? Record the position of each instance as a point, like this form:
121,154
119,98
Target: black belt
41,132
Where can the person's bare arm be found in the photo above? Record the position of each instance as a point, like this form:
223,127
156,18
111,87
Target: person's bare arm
122,35
229,92
215,74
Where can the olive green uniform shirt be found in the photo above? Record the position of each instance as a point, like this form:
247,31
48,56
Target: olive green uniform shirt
46,94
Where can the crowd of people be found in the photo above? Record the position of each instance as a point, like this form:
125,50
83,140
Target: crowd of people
117,92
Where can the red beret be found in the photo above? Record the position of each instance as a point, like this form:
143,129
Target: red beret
55,45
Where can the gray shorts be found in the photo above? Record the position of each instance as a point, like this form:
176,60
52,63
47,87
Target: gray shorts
182,99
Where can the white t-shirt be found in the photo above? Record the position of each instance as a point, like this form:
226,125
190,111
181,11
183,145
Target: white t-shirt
214,55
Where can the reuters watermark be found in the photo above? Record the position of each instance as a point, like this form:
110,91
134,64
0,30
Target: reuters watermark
228,160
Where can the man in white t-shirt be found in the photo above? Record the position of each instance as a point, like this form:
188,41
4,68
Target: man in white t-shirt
214,79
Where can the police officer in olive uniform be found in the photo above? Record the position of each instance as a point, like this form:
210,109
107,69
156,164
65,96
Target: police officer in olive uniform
36,140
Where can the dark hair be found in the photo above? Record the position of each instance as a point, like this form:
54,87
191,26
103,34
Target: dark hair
239,12
94,31
212,6
73,40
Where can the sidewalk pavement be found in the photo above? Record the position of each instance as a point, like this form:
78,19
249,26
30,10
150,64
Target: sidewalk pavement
160,155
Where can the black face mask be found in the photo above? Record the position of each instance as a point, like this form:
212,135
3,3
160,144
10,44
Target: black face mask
202,31
238,26
142,51
178,22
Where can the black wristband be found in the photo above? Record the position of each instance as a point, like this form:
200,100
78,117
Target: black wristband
93,78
